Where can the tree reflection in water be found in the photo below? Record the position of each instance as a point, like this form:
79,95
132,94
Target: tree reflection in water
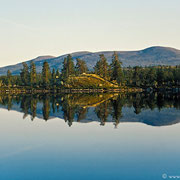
75,107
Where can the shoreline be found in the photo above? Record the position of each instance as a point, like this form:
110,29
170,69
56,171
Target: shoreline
120,90
32,91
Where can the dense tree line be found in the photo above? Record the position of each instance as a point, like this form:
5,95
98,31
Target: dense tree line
158,76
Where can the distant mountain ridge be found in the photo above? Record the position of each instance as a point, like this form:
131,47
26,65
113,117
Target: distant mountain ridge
156,55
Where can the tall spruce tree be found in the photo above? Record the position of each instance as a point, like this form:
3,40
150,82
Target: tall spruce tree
46,74
33,74
102,68
116,69
9,78
25,75
64,70
98,68
81,66
68,67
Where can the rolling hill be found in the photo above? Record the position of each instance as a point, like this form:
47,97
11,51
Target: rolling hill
151,56
88,81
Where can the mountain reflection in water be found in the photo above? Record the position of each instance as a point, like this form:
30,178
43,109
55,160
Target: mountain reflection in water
154,109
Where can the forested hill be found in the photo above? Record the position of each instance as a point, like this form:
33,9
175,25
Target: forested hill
150,56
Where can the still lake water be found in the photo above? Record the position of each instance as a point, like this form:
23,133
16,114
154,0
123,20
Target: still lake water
82,136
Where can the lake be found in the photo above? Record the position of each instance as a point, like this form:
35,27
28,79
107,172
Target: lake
90,136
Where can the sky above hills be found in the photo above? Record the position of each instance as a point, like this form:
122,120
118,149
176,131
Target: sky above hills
55,27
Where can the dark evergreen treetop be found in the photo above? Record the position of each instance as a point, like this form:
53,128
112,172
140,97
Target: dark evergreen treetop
81,67
116,69
46,74
102,68
68,67
25,75
33,74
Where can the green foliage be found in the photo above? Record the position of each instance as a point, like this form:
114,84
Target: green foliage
102,68
106,106
81,67
9,78
33,74
116,70
25,75
107,76
157,76
68,67
46,74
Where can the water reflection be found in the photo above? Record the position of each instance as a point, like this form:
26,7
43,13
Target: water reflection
115,108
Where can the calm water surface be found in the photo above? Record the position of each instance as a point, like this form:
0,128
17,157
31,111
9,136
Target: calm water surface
103,136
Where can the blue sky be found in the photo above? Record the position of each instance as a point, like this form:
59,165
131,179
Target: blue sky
55,27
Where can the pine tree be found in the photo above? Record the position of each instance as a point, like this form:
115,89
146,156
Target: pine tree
64,70
81,66
98,68
68,67
9,78
116,69
102,68
25,76
46,74
33,74
105,67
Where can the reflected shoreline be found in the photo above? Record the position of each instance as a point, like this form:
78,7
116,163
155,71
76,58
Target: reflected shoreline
100,107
